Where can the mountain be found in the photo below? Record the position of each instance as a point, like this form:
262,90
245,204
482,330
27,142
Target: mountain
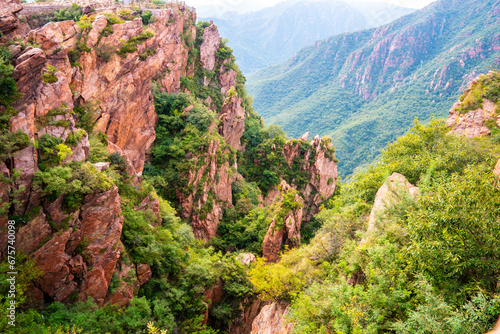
132,164
365,88
272,35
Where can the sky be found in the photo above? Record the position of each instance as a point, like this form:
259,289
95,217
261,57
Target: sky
245,5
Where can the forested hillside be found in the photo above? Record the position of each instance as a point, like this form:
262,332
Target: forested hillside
410,244
272,35
365,89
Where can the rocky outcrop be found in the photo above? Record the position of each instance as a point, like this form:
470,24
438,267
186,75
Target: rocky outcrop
232,119
117,91
205,208
472,123
246,258
284,229
243,323
77,261
271,320
390,193
8,18
320,167
209,47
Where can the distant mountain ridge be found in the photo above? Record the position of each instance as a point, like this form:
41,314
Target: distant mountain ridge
272,35
365,88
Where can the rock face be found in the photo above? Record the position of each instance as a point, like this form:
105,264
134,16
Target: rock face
205,208
210,45
232,119
79,252
118,91
319,165
270,320
286,229
473,122
390,194
8,19
243,324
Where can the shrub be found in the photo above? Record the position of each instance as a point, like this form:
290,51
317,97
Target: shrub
147,17
49,74
113,18
105,51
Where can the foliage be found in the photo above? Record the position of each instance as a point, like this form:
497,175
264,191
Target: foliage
147,17
131,45
49,74
105,51
64,14
73,182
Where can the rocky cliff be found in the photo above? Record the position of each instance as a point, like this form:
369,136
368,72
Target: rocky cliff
477,111
87,106
99,69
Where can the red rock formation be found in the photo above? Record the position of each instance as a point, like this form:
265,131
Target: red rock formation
96,228
243,324
205,208
472,123
282,232
233,121
8,19
210,45
271,320
320,164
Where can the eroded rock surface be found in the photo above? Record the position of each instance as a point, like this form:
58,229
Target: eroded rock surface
390,193
283,230
472,123
271,320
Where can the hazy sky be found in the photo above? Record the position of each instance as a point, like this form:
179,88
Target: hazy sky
245,5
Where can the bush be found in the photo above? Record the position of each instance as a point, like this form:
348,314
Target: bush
147,17
105,51
49,74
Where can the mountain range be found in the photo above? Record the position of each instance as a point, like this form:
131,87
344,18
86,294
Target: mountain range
365,88
272,35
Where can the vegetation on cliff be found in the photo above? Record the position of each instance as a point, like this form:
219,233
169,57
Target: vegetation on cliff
431,264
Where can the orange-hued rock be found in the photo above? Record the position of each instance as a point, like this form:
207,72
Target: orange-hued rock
472,123
25,161
270,320
101,225
8,19
203,211
283,232
496,171
232,119
143,273
320,164
30,236
249,311
209,47
51,258
97,227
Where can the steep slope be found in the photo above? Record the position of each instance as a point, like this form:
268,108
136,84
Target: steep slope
272,35
365,88
102,117
420,228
